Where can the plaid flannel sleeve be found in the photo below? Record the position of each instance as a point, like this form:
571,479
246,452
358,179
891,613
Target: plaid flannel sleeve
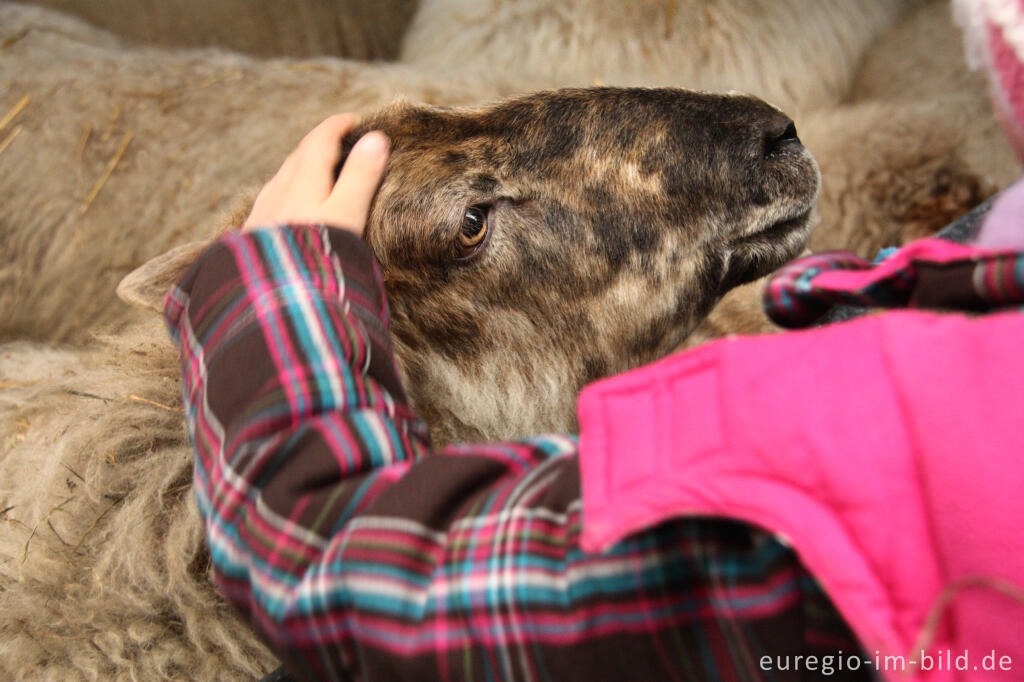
359,554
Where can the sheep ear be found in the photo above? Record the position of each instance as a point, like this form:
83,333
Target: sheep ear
147,285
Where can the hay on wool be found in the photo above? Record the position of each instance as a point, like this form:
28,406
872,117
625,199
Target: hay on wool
15,110
10,116
9,139
111,165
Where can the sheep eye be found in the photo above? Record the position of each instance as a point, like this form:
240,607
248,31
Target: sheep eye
474,228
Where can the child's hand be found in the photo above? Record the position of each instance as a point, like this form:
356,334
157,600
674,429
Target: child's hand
303,191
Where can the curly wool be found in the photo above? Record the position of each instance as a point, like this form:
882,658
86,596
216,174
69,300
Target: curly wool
103,567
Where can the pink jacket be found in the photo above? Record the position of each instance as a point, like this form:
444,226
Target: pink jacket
889,452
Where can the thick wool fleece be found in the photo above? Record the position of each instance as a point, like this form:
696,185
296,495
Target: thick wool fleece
103,567
796,54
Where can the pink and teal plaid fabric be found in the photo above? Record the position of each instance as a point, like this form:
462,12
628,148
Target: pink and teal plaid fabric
929,273
358,552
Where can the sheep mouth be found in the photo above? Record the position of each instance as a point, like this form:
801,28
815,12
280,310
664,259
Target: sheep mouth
755,255
782,230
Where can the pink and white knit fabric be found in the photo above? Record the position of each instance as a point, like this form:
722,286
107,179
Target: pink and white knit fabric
994,31
994,34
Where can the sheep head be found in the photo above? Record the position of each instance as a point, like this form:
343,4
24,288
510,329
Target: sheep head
540,243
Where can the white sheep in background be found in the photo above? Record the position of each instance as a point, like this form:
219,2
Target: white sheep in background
796,54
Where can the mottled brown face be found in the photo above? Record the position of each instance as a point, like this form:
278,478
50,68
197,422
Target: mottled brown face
536,245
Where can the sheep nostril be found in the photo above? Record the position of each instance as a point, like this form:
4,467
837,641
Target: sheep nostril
780,136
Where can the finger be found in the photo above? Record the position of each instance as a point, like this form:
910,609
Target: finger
317,146
349,202
310,169
322,145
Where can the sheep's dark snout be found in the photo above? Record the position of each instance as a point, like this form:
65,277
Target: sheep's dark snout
779,135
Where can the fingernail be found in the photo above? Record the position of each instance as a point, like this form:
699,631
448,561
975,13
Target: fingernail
373,143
